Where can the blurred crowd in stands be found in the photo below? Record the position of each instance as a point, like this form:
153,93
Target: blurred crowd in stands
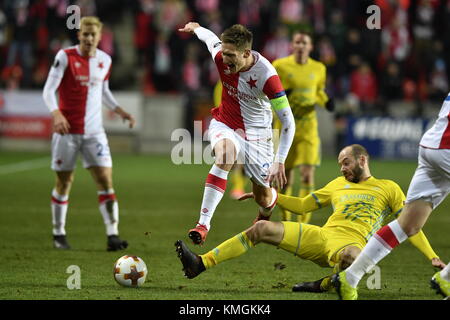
407,59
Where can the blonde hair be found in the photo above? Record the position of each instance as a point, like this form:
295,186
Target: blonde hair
238,35
91,21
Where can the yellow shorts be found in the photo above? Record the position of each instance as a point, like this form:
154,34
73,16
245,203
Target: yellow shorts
316,244
305,149
304,152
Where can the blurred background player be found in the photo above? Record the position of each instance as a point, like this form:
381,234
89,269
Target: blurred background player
241,128
237,180
304,80
429,186
80,75
361,204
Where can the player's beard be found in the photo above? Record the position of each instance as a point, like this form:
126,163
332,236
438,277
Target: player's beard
356,173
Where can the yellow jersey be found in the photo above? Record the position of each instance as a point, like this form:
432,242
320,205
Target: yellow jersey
359,209
304,84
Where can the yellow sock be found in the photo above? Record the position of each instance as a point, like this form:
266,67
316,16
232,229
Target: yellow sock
305,189
237,179
285,214
231,248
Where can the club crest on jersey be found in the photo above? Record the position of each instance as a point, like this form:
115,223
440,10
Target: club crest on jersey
252,83
77,64
100,65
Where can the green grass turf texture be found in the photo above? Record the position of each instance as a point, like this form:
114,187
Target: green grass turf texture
159,203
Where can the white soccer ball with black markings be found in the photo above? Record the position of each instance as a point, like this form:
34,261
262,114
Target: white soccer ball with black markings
130,271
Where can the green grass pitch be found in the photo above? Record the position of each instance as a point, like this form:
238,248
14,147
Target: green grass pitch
159,202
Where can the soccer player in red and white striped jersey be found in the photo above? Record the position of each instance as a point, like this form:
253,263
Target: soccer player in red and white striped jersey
241,129
80,74
429,186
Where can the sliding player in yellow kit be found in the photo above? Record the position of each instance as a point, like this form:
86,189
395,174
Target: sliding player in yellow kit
361,203
303,79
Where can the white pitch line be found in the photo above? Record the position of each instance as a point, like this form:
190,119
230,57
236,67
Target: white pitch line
25,165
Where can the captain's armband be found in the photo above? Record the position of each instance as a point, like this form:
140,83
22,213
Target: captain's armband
279,102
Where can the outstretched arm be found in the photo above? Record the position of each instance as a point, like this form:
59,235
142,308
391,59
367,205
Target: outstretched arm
297,205
294,204
207,36
190,27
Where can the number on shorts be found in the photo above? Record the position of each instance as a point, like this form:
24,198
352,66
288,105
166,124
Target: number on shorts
102,150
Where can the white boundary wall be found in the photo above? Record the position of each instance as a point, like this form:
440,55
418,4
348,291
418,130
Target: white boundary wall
156,118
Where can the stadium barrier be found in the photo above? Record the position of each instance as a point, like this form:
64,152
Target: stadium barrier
387,137
25,125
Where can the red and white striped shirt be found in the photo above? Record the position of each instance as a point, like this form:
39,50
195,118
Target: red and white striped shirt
82,82
438,136
245,96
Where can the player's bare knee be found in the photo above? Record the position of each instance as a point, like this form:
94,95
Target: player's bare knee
225,160
411,230
104,181
260,231
268,232
307,174
63,184
409,227
225,154
307,178
255,232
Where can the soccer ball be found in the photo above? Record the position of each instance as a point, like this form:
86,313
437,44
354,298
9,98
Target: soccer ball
130,271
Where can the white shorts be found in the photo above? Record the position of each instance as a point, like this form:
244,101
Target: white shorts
254,149
431,181
93,148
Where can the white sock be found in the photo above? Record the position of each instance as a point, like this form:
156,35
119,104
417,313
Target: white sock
215,186
378,246
109,208
445,273
268,211
59,206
